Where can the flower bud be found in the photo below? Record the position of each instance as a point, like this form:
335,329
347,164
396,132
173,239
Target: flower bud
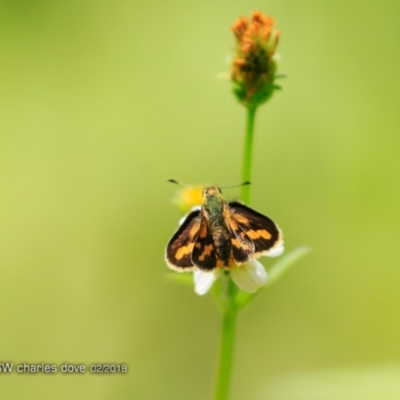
254,66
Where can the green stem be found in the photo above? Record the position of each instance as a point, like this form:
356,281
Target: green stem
227,342
229,291
248,147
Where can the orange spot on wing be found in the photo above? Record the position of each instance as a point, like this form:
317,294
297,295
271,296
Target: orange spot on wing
206,252
203,230
241,219
233,224
240,245
264,234
194,230
236,242
261,233
184,250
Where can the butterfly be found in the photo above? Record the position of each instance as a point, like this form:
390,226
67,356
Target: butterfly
220,234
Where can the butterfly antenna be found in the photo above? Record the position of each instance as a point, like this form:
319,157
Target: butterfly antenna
176,182
179,183
241,184
222,187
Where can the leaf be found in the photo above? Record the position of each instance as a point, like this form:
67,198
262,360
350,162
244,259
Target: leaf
285,263
279,268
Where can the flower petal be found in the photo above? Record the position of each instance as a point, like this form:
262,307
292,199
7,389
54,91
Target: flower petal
195,208
203,281
276,251
249,277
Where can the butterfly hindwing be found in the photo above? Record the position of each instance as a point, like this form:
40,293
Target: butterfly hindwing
204,255
256,228
179,249
242,247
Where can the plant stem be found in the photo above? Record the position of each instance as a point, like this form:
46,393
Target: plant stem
229,291
227,342
248,147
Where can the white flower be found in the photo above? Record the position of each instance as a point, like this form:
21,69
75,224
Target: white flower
277,250
204,280
248,277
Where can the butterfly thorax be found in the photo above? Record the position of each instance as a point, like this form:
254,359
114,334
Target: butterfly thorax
214,212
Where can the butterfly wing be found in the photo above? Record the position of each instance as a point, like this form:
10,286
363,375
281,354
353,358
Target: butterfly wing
178,253
204,255
254,227
242,247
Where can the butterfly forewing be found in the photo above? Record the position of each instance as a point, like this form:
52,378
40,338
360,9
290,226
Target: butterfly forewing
179,249
256,228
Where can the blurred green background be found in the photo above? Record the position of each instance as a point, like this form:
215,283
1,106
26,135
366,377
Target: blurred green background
101,102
